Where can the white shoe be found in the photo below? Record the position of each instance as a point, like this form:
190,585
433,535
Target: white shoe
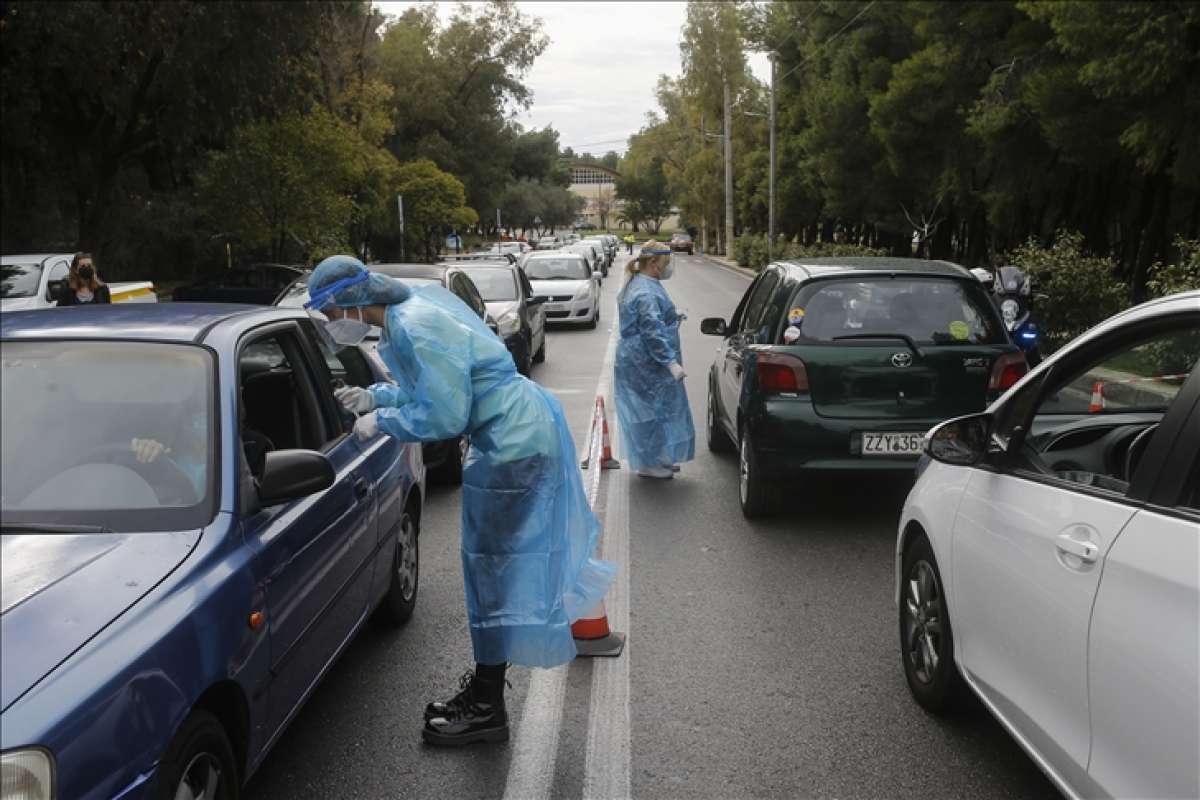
656,472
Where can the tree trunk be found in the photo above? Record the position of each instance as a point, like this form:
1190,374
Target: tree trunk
1154,241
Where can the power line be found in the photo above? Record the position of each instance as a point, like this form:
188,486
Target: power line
597,144
828,41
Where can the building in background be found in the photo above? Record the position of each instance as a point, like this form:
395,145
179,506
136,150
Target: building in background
597,185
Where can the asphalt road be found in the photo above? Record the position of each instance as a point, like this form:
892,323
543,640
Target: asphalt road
762,658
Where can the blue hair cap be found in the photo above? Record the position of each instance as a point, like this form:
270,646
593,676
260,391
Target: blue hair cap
375,289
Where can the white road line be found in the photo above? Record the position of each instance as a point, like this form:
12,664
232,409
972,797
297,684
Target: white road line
535,750
607,755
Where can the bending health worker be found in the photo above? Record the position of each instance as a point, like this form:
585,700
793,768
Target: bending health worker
528,533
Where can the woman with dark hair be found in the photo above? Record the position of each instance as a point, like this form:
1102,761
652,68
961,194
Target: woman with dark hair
84,286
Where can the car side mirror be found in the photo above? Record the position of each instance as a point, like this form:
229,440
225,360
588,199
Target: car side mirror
713,326
962,442
535,300
292,474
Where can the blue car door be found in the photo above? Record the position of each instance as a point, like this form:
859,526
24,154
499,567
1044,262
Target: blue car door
314,554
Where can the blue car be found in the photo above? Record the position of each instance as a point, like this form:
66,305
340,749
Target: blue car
191,536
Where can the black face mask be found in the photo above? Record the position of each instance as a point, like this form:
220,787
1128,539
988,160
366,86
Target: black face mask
87,273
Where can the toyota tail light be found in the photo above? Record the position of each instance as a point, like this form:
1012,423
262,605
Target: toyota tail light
1008,369
778,373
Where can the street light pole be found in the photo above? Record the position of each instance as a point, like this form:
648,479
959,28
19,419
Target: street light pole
728,171
771,178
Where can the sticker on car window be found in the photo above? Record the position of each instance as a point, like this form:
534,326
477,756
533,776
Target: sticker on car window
960,330
791,334
795,316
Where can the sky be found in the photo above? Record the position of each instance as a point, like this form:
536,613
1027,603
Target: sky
595,82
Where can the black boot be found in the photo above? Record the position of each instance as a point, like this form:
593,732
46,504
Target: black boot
441,708
476,714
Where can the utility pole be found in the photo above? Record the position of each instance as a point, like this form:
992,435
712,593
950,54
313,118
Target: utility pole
728,170
704,203
771,177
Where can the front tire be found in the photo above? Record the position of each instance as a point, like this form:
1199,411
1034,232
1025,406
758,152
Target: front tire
752,488
401,598
199,762
540,356
926,639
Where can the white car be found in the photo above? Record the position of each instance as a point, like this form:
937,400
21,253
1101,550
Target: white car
34,280
571,288
1049,553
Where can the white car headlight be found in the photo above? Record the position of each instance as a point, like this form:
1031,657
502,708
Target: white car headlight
1009,309
508,323
26,775
583,291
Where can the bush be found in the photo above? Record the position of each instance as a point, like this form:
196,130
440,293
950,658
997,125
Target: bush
750,250
1075,291
1180,277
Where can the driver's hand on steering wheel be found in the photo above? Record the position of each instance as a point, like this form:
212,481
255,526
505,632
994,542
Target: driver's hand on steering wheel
147,451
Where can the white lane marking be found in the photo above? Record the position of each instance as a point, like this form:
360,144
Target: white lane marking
607,754
535,750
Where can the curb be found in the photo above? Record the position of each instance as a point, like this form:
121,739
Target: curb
730,265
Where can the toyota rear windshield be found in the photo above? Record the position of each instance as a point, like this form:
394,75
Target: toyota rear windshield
925,310
556,269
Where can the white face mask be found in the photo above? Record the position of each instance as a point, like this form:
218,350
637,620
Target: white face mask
347,332
667,271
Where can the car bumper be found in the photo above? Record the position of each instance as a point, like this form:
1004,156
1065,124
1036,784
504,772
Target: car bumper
573,312
791,437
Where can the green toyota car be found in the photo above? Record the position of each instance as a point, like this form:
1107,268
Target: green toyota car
836,365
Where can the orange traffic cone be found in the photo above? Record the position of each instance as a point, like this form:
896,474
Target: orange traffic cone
593,637
1097,405
606,457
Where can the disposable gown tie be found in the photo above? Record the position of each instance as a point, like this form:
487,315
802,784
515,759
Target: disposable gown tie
656,420
528,532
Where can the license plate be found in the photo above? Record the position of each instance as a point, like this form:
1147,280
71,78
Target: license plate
892,444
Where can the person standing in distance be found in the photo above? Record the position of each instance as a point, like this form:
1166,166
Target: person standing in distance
652,404
528,532
84,286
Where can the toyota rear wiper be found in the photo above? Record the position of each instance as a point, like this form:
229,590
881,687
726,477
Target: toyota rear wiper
50,527
902,337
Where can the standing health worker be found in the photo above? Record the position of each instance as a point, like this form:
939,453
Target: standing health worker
528,532
652,404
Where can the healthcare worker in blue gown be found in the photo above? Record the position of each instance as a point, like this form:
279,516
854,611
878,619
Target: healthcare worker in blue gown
528,532
652,404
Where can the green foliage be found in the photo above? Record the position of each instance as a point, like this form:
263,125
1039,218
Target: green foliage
642,185
1181,276
750,250
1075,290
434,204
283,181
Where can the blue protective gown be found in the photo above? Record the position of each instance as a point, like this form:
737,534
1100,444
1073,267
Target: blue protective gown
656,421
528,532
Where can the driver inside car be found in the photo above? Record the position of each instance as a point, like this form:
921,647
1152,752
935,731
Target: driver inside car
188,453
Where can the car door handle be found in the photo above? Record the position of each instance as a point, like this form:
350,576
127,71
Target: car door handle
362,488
1084,551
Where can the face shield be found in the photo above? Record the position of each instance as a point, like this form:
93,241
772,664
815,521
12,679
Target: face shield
666,258
345,332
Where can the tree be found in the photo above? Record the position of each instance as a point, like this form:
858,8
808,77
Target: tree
434,202
642,186
284,181
604,205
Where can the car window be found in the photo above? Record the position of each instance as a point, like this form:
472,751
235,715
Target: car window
1092,425
1191,490
19,280
526,288
345,366
927,310
465,289
557,269
752,320
495,285
117,434
278,408
1142,377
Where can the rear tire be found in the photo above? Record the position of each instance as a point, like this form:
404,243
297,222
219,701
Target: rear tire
926,639
449,472
540,356
199,762
753,490
595,319
401,598
718,440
